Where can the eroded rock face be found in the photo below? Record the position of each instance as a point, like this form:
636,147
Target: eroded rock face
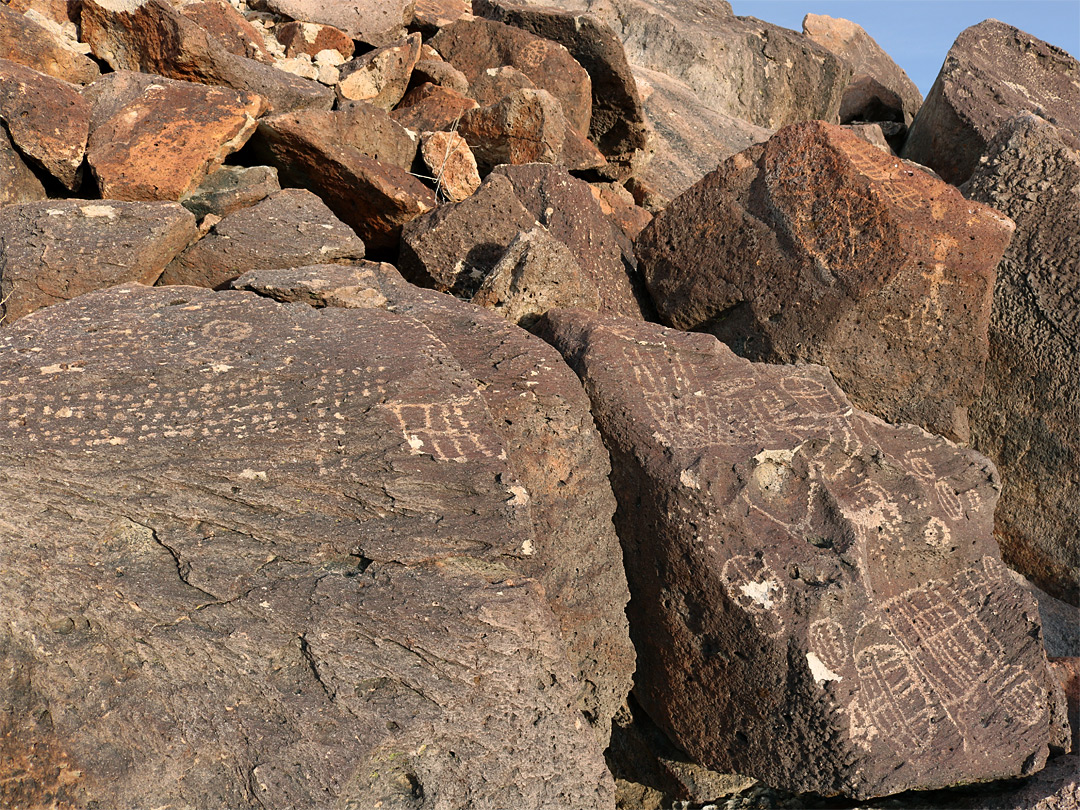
1028,417
376,22
818,600
25,41
381,76
366,574
992,73
818,247
56,250
18,184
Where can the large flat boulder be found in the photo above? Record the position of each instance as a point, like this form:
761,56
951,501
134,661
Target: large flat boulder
817,598
56,250
992,73
1028,417
819,247
321,606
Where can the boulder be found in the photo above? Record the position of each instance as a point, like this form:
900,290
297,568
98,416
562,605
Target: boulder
430,108
450,164
18,184
494,83
818,601
231,188
474,46
618,126
46,118
818,247
527,126
376,22
290,228
619,206
59,249
992,73
25,41
438,72
1028,416
432,15
542,414
880,90
163,144
226,27
381,76
357,125
323,606
151,36
312,38
372,196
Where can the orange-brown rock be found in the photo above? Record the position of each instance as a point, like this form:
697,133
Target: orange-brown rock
311,38
450,163
161,145
18,184
527,126
23,40
429,108
495,83
818,247
227,27
437,71
59,249
376,22
381,76
47,119
432,15
618,204
475,46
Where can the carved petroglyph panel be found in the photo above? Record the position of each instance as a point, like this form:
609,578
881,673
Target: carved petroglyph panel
446,430
829,641
896,697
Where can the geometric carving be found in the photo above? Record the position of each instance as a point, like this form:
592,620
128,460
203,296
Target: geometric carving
443,430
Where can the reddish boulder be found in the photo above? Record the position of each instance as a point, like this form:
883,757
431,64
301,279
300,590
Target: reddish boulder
312,38
818,247
23,40
992,73
287,229
430,108
381,76
817,600
226,27
376,22
59,249
18,184
495,83
619,206
432,15
436,71
46,118
475,46
163,144
1027,418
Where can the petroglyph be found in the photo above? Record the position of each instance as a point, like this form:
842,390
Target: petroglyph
898,701
829,642
755,586
447,431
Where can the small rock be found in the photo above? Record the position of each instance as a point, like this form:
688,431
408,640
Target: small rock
376,22
451,163
311,38
430,108
380,77
230,188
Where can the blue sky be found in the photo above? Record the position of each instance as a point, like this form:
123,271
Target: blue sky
918,33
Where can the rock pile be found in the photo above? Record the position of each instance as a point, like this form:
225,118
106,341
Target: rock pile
430,405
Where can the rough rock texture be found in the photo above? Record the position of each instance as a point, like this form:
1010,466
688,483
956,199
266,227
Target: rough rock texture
438,72
527,126
18,184
23,40
817,598
850,42
494,83
164,143
325,597
112,92
381,76
56,250
311,38
740,66
543,416
290,228
369,194
152,37
376,22
1028,416
690,137
431,15
536,273
361,126
450,163
618,126
46,118
474,46
430,108
231,188
818,247
619,206
226,27
566,207
992,72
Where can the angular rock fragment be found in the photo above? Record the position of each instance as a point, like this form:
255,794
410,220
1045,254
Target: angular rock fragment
992,73
162,144
231,188
341,542
151,36
474,46
24,41
311,38
441,73
226,27
1027,419
818,601
450,163
494,84
536,273
527,126
290,228
380,77
618,125
359,125
430,108
543,416
432,15
619,206
46,118
818,247
376,22
18,184
372,196
59,249
880,90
